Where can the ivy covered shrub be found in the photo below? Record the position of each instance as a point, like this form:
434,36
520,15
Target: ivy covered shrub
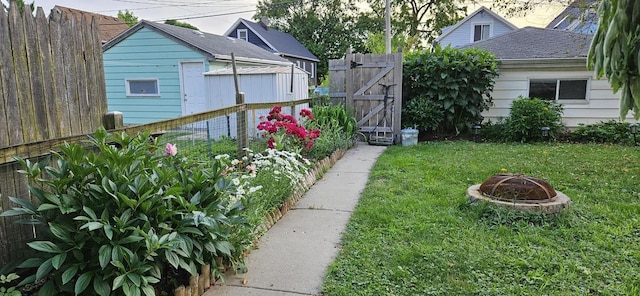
458,82
120,217
612,131
529,115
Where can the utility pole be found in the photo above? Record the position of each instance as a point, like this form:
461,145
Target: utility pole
387,24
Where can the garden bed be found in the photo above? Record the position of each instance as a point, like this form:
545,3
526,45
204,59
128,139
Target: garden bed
199,284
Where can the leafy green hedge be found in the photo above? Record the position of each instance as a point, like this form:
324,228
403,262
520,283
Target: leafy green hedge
458,82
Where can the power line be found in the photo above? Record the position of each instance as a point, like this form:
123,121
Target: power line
207,15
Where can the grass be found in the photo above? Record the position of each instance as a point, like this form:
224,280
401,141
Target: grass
414,233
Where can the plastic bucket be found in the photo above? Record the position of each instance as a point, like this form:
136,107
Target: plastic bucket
409,137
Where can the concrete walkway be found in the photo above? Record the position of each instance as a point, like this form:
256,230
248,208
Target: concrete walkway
294,254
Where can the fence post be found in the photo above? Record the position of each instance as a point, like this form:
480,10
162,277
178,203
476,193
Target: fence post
241,122
113,120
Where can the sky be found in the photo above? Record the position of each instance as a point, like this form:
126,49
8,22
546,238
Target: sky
213,16
216,16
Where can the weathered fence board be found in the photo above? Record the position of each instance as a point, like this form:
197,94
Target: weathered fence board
357,81
51,88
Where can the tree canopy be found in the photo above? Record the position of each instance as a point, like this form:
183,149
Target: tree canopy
181,24
615,51
325,27
127,17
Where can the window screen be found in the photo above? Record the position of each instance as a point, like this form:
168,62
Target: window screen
543,89
142,87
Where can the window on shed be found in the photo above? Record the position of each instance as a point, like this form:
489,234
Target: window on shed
481,32
558,89
142,87
242,34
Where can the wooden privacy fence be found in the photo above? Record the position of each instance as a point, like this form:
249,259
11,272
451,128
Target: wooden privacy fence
371,86
51,86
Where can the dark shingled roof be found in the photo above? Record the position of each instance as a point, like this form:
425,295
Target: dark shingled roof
536,43
281,42
213,46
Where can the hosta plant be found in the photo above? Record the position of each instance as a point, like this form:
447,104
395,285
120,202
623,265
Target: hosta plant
118,215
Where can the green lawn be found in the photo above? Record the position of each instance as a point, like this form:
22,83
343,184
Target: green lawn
414,233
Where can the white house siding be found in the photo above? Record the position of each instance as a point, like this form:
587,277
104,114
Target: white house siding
462,35
260,85
602,104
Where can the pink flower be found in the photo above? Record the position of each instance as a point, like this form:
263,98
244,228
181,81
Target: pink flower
251,168
171,150
306,113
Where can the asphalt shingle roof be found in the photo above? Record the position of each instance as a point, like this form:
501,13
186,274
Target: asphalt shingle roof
536,43
210,44
282,42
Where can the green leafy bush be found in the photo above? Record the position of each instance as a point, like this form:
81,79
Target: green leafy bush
11,290
459,82
337,127
423,114
494,131
528,116
612,131
119,218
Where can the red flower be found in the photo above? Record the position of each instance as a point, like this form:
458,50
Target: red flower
306,113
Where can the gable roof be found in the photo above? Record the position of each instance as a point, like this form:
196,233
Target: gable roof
277,41
447,30
536,43
213,46
580,16
108,26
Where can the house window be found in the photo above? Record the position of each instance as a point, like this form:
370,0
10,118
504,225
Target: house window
142,87
558,89
313,74
481,32
242,34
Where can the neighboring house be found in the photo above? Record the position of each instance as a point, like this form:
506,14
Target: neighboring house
108,26
580,17
549,64
155,71
480,25
277,42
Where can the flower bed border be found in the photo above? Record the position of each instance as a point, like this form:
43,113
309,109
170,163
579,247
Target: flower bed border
200,283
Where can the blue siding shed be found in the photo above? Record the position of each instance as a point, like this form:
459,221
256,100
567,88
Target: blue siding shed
156,71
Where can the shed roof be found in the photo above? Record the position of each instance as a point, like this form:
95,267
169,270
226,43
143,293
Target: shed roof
536,43
278,41
255,70
211,45
108,26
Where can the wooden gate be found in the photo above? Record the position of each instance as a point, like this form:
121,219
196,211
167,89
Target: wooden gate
371,86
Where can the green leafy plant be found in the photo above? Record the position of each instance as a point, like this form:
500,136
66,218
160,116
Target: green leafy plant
338,128
119,218
612,131
529,115
11,290
458,81
423,114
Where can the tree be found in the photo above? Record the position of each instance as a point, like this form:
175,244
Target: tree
20,4
421,19
615,51
127,17
180,24
325,27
